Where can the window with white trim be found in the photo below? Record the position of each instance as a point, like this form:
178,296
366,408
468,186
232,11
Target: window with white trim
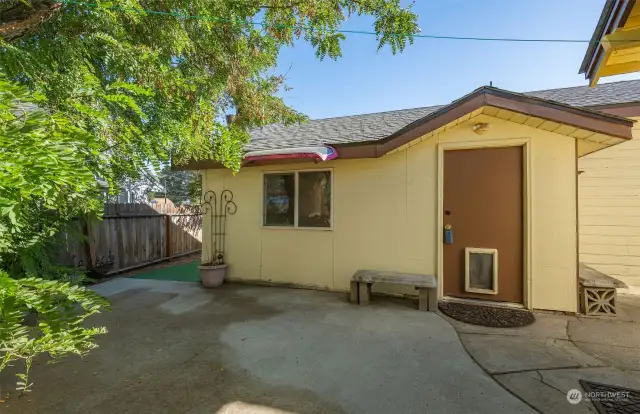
297,199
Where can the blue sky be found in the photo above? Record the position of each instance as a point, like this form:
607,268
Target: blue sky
432,72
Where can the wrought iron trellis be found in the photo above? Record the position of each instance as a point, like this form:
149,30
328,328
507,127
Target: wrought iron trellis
217,208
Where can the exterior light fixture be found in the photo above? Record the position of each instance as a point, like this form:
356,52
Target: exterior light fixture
480,128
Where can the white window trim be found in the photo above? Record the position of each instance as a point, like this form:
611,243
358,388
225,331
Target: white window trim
467,261
296,197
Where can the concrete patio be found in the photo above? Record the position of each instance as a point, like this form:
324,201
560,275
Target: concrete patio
174,347
543,361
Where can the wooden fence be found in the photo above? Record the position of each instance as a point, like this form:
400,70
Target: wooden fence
133,235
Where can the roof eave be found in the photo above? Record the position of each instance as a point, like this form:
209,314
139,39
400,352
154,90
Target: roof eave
614,15
612,125
596,36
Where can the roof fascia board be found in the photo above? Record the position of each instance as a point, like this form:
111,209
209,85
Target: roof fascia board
618,12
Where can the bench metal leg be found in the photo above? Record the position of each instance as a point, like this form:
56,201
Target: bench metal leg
353,296
427,299
364,293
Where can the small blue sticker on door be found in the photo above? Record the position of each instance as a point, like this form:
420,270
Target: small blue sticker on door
448,234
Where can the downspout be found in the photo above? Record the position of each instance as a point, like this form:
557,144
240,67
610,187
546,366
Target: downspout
577,173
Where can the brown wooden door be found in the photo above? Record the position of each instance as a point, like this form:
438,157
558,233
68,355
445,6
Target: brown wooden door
483,203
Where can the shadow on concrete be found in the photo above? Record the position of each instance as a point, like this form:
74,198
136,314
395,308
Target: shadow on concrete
155,361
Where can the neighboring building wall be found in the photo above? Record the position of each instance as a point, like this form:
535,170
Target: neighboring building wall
609,203
385,217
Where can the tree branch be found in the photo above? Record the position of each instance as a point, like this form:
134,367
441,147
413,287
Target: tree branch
284,6
21,18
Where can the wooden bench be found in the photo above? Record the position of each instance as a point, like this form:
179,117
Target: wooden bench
426,285
598,294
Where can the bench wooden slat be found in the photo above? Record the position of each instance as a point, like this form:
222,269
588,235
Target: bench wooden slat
409,279
598,283
591,277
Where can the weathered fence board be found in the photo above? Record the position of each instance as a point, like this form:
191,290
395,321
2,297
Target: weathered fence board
132,235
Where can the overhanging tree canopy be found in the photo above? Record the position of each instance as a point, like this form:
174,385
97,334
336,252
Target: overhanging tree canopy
151,78
119,85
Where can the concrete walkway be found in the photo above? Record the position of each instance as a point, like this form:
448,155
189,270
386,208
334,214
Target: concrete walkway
174,347
542,362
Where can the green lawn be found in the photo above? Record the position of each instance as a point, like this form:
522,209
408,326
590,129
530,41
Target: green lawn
187,272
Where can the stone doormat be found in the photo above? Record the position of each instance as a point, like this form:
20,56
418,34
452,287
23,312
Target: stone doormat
494,317
609,399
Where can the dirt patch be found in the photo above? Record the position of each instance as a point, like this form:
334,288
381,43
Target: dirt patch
490,316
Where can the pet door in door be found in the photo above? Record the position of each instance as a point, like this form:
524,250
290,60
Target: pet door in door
481,270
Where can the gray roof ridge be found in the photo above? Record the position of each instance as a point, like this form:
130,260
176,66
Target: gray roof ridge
384,124
581,86
447,104
378,113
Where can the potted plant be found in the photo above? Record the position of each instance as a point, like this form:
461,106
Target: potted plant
213,273
213,270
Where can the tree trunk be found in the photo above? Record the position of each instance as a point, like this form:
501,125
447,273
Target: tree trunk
18,18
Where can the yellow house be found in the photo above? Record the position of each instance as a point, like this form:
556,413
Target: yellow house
609,190
318,201
610,180
615,45
609,186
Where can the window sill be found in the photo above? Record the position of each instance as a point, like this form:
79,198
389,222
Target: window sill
296,228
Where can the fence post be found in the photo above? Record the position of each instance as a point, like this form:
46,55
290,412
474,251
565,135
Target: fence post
168,235
89,248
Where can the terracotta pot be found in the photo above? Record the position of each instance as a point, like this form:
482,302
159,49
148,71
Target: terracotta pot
213,276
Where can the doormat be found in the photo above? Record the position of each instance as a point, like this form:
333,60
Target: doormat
493,317
185,272
610,399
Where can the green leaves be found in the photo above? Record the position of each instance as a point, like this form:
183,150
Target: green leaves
48,169
108,90
43,158
158,82
58,312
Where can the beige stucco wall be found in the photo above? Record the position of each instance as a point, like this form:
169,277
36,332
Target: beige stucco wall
609,201
385,217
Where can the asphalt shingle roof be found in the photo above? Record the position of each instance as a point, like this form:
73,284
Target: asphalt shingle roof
584,96
370,127
340,130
